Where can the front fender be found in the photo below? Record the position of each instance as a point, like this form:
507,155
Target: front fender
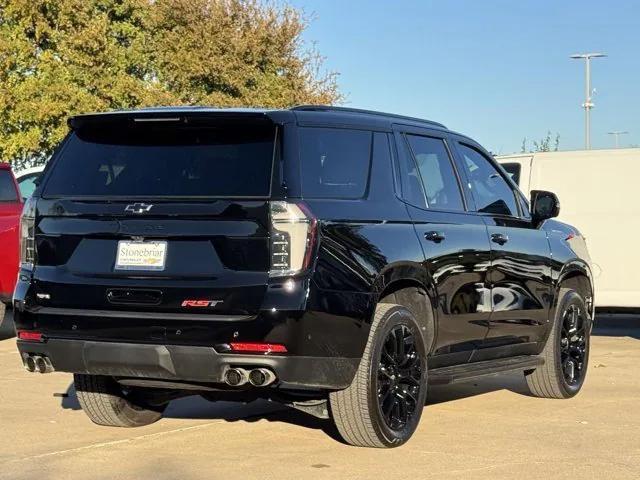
570,259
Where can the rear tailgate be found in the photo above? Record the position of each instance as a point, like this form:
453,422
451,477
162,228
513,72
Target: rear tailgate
145,226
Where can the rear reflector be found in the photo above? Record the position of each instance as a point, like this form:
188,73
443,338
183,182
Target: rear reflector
258,347
29,336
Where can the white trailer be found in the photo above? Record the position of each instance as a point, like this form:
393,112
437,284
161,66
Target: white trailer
599,193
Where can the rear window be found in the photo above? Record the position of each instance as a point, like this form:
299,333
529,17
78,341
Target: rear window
165,161
335,162
7,187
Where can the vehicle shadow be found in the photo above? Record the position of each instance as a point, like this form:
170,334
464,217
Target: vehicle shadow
608,325
197,408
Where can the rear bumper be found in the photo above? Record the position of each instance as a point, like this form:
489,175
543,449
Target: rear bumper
188,363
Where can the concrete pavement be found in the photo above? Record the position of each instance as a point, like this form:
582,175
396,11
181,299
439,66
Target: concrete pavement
486,429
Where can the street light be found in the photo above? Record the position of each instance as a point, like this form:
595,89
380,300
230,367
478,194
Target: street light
617,134
588,104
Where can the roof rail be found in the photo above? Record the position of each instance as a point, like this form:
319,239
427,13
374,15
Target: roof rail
331,108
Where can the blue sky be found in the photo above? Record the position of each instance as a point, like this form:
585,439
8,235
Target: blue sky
496,70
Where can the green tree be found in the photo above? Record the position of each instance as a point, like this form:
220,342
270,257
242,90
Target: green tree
546,144
62,57
234,53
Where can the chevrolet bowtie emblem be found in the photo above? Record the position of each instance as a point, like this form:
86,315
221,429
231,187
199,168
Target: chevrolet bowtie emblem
138,208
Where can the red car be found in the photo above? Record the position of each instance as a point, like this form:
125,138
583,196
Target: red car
10,210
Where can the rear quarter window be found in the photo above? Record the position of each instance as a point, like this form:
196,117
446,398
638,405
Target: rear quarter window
335,162
8,191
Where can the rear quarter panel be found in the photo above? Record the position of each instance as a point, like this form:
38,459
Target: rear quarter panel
364,245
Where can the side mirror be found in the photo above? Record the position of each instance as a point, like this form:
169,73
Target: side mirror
544,205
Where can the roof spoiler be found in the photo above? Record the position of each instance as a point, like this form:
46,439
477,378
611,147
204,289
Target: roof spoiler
169,116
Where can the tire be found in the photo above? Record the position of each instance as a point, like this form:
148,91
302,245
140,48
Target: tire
357,412
106,403
556,378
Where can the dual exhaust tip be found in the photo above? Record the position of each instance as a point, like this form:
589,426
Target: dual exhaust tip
234,377
38,363
258,377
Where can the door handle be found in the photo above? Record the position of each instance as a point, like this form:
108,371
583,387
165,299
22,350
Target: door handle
435,237
499,238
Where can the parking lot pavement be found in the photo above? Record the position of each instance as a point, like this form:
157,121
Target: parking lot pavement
484,429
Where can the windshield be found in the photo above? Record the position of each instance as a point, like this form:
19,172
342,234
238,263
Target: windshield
165,161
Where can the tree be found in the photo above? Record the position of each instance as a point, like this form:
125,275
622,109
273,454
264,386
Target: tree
543,145
233,53
62,57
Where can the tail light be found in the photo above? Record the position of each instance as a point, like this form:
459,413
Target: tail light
293,234
27,234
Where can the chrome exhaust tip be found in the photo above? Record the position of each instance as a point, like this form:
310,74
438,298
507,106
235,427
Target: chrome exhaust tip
261,377
29,364
43,365
236,377
38,361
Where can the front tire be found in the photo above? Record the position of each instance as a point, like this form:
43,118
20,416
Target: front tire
383,405
105,402
566,353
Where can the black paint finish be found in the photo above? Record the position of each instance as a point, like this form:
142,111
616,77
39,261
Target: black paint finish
491,280
521,287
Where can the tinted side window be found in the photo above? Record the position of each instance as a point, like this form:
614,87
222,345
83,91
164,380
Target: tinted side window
436,172
491,192
335,162
27,185
7,188
513,169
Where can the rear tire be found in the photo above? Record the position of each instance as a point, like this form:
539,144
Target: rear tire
383,405
106,403
566,353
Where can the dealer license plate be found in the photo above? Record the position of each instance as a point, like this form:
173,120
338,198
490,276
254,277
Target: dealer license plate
141,255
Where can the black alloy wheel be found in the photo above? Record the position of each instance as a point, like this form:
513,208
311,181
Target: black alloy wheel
573,344
566,353
383,405
399,378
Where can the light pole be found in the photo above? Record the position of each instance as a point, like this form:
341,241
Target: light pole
617,134
588,104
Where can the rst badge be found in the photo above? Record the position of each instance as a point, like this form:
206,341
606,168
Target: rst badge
201,303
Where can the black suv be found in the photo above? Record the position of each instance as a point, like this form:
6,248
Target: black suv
332,259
